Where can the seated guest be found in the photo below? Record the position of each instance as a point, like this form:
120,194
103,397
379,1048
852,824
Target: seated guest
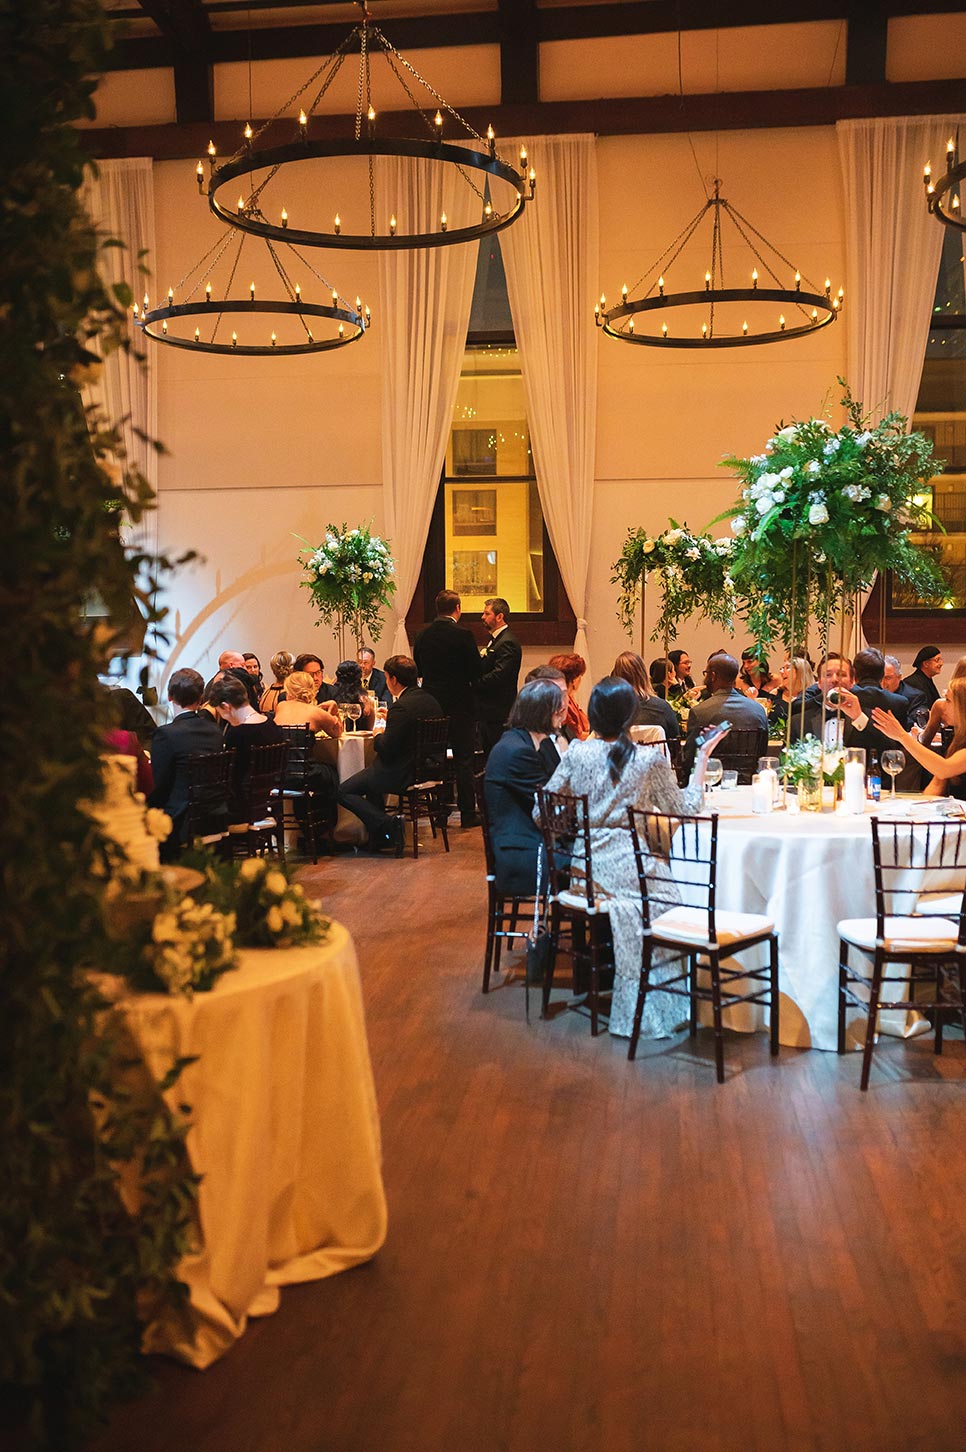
254,668
130,714
523,759
246,728
755,678
801,700
312,664
724,703
574,668
948,772
561,738
233,661
859,704
834,670
681,662
347,691
921,684
282,663
940,712
663,676
373,679
364,794
191,731
300,708
650,709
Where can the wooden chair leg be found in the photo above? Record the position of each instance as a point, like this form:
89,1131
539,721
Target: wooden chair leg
551,966
715,970
491,938
594,979
642,988
843,1002
775,1000
692,962
443,814
939,1013
875,989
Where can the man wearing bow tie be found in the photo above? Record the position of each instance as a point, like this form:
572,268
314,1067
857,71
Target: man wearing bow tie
373,679
496,689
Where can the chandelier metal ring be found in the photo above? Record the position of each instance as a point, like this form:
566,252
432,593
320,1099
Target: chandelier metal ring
343,315
667,302
948,185
250,218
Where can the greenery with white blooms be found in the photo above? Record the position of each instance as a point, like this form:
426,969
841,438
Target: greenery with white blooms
351,578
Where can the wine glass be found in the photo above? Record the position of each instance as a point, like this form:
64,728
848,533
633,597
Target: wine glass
920,720
892,764
713,772
353,711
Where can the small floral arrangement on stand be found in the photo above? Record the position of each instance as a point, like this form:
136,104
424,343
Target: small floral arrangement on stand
271,911
822,511
350,576
691,569
808,767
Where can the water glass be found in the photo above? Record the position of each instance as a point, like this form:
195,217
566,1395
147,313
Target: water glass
714,772
729,780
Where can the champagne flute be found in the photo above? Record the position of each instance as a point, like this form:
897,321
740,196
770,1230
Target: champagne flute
892,764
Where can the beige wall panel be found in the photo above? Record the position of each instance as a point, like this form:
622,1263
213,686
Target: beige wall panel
245,594
748,58
926,48
464,75
134,98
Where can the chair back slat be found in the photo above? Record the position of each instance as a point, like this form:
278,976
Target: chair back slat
209,773
265,773
299,740
740,749
689,847
565,825
913,858
429,751
479,789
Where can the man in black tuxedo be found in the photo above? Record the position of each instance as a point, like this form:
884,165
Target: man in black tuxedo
364,794
858,705
192,730
496,689
449,663
373,679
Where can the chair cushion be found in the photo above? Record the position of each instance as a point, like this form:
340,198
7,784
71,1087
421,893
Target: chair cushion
424,786
577,901
690,925
267,824
940,904
902,935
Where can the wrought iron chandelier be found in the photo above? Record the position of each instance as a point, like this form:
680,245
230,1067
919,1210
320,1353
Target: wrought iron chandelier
719,316
289,143
942,196
257,327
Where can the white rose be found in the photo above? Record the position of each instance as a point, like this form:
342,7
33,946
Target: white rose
788,434
818,514
768,481
738,524
157,823
291,912
862,439
694,553
673,536
764,503
884,503
779,496
648,546
787,472
274,920
251,868
275,884
813,466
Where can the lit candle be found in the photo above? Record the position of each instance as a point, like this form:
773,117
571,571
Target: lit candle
303,122
371,115
707,282
950,148
368,315
828,286
624,293
660,285
927,173
341,330
853,788
164,325
814,315
338,224
358,304
798,282
762,792
197,334
251,291
392,225
311,339
241,204
212,153
234,340
438,121
523,156
170,296
597,313
487,210
491,138
744,329
200,174
603,300
754,277
704,331
664,329
145,302
781,321
630,326
841,293
443,222
135,310
532,178
274,338
249,133
284,217
955,202
208,292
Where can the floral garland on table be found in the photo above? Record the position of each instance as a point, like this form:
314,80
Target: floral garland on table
692,570
804,763
350,576
823,511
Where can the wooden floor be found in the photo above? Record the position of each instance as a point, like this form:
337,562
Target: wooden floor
587,1255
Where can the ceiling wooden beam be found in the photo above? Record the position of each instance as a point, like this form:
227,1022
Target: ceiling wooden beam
865,52
185,28
519,53
621,116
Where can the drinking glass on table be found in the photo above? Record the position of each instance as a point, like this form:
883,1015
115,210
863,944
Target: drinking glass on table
353,710
713,772
729,781
892,764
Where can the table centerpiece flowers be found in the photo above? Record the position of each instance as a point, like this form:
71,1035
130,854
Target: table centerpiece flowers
809,767
351,578
691,570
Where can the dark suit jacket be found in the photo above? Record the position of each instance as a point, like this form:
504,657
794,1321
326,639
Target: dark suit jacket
449,663
731,706
920,690
130,714
514,770
870,695
395,747
496,689
655,712
188,733
377,685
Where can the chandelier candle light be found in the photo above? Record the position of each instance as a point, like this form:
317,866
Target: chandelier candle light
942,195
719,315
292,139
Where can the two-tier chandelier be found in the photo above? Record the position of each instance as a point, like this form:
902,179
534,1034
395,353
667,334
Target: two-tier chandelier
942,195
288,153
778,303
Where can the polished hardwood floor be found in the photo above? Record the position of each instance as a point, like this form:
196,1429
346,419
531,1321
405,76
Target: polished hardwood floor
587,1255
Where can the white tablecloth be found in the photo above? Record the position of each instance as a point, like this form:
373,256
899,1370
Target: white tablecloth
349,753
285,1134
806,871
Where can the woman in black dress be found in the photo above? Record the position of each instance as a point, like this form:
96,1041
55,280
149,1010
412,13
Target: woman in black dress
523,759
348,691
245,729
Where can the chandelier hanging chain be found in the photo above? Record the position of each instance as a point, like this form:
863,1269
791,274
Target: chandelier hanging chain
429,124
221,247
231,279
666,256
771,272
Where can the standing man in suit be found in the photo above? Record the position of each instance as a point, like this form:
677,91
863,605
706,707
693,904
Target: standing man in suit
364,794
373,679
192,730
449,663
724,703
496,689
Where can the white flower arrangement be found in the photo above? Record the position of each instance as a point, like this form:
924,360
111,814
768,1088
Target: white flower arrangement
690,569
192,945
351,577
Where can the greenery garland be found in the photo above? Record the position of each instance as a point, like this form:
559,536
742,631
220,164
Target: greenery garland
691,569
79,1272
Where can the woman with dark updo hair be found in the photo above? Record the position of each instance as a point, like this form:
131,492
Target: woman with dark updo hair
348,691
614,774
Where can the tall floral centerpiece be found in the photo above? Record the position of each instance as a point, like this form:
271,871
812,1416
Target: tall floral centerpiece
691,571
351,579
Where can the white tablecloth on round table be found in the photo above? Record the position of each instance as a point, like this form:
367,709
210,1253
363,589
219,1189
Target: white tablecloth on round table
284,1132
348,753
806,871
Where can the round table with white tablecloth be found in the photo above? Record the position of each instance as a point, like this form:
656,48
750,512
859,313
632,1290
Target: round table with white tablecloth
349,754
807,871
284,1133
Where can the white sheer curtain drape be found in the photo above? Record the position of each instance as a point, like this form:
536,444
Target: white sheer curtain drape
425,300
120,202
551,261
893,248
